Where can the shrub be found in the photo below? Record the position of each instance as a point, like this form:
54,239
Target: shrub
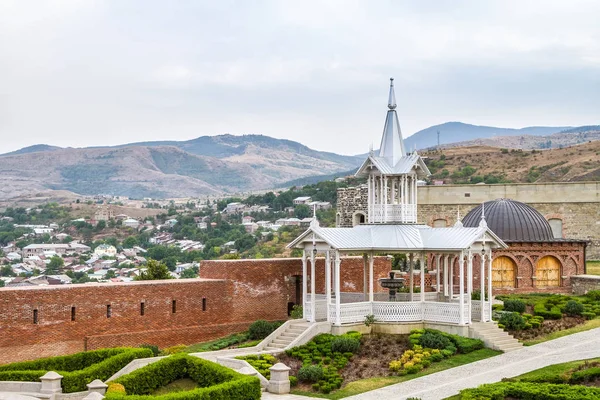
115,388
513,321
588,315
261,329
214,381
514,305
530,391
369,320
154,349
345,345
310,373
174,349
77,369
553,313
593,295
293,381
297,312
433,340
573,308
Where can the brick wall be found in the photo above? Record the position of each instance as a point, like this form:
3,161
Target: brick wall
238,293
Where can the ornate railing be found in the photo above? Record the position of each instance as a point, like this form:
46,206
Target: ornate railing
441,312
393,213
320,310
394,311
476,310
351,312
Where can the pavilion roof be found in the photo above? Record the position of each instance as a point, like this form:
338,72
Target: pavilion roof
398,237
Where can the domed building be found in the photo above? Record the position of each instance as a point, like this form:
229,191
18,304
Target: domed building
534,260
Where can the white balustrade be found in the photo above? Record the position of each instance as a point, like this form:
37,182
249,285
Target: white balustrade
320,310
394,213
441,312
396,311
476,310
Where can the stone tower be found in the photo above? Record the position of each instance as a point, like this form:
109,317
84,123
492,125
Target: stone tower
392,174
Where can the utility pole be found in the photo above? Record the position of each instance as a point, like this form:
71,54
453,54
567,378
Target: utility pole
438,147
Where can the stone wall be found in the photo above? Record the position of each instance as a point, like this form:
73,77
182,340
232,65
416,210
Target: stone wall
584,283
577,204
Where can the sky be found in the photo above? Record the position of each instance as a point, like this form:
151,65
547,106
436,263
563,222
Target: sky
94,73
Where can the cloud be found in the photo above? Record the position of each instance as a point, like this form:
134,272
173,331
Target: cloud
88,72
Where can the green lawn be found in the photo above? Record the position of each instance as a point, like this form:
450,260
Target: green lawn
592,267
365,385
591,324
551,370
180,385
236,340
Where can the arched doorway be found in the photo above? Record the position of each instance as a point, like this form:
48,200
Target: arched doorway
503,272
358,218
547,272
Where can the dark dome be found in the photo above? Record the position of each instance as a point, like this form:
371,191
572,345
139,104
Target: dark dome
512,221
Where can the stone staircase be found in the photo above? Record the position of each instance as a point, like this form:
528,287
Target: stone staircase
286,336
494,337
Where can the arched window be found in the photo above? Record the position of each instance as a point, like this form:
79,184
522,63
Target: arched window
547,272
440,223
503,272
358,218
557,227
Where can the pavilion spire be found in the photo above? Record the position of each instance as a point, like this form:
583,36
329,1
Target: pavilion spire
392,144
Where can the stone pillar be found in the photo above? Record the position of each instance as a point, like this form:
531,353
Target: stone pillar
51,383
97,386
280,379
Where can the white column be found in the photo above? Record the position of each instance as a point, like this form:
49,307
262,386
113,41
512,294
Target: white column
411,278
371,277
482,286
489,279
422,277
365,290
328,281
304,284
385,198
403,201
446,275
461,288
469,284
338,320
451,276
437,273
313,295
369,191
393,192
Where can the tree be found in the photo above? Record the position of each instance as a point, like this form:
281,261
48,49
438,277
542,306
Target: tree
190,273
54,266
7,271
302,211
110,274
154,270
129,242
1,283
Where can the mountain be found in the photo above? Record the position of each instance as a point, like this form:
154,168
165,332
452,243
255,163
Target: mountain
452,132
206,165
32,149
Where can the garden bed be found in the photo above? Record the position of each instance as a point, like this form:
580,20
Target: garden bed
572,380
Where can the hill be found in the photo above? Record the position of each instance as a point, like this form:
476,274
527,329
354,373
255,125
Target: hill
32,149
453,132
495,165
159,170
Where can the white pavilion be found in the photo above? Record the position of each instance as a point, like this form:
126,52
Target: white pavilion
391,228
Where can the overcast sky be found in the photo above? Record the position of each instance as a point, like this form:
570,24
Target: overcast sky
81,73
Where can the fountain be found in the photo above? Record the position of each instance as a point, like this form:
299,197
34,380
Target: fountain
392,284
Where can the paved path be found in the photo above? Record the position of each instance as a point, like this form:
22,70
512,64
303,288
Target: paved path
446,383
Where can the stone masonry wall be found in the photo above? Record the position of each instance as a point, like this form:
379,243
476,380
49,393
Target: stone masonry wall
349,201
584,283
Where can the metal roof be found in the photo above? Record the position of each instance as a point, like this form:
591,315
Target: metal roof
512,220
399,237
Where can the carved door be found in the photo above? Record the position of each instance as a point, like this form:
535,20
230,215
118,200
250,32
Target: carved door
547,272
503,272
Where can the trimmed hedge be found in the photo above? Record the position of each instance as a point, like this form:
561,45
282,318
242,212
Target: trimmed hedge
530,391
77,369
216,382
514,305
463,344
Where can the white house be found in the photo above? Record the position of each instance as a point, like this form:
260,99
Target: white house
105,250
131,223
302,200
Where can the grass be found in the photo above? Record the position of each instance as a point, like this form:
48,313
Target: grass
586,326
180,385
236,340
592,267
365,385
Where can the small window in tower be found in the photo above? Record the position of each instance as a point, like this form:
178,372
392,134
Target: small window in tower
467,194
142,308
35,316
204,304
108,311
73,313
174,306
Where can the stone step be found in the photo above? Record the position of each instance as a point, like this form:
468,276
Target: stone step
281,342
294,331
507,349
495,335
288,335
506,342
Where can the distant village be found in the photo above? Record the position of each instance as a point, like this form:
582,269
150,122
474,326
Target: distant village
58,259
